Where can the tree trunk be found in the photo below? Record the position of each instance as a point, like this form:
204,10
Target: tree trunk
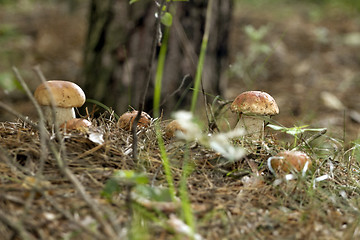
119,47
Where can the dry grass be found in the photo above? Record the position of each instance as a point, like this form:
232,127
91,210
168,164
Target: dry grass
229,200
40,199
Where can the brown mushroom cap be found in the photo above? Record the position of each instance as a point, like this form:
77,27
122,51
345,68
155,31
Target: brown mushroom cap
65,94
290,160
126,120
76,124
255,102
172,127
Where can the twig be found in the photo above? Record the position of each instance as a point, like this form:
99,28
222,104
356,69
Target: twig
205,102
177,90
153,55
188,47
4,156
41,125
28,92
311,138
16,226
149,70
69,216
134,135
18,115
213,124
52,102
81,190
109,227
42,133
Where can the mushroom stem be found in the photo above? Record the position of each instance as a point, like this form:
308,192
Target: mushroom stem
253,126
61,114
269,163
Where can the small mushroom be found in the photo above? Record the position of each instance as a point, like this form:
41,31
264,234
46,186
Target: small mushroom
66,96
287,161
78,124
251,105
127,119
172,127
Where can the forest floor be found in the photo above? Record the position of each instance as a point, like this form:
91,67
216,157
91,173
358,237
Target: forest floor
304,55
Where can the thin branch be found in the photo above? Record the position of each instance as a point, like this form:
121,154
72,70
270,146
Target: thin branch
52,101
109,227
205,103
28,92
149,74
134,134
18,115
81,190
307,141
177,90
152,56
70,217
14,166
16,226
41,125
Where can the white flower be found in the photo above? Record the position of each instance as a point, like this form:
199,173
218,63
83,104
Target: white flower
218,142
186,120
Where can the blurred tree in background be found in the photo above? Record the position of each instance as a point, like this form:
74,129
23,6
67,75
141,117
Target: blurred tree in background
119,46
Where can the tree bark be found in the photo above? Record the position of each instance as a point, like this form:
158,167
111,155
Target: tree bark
119,46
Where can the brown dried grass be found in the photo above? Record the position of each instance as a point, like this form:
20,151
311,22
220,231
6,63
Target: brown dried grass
245,204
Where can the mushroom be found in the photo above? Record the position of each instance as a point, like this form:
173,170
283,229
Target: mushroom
76,124
287,161
172,127
66,95
250,105
127,119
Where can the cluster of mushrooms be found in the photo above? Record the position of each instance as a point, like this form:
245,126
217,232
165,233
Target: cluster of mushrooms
59,98
253,107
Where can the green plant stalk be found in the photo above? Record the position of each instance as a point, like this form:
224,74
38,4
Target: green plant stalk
201,57
186,208
139,224
295,140
165,160
159,73
184,196
156,106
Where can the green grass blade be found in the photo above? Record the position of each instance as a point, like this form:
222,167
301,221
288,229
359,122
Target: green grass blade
159,73
201,57
103,106
165,160
187,213
156,106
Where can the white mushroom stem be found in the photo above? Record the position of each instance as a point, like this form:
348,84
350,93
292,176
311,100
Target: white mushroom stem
269,163
253,126
61,114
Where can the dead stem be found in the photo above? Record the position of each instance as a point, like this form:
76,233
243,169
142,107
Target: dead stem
41,124
16,226
18,115
69,216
